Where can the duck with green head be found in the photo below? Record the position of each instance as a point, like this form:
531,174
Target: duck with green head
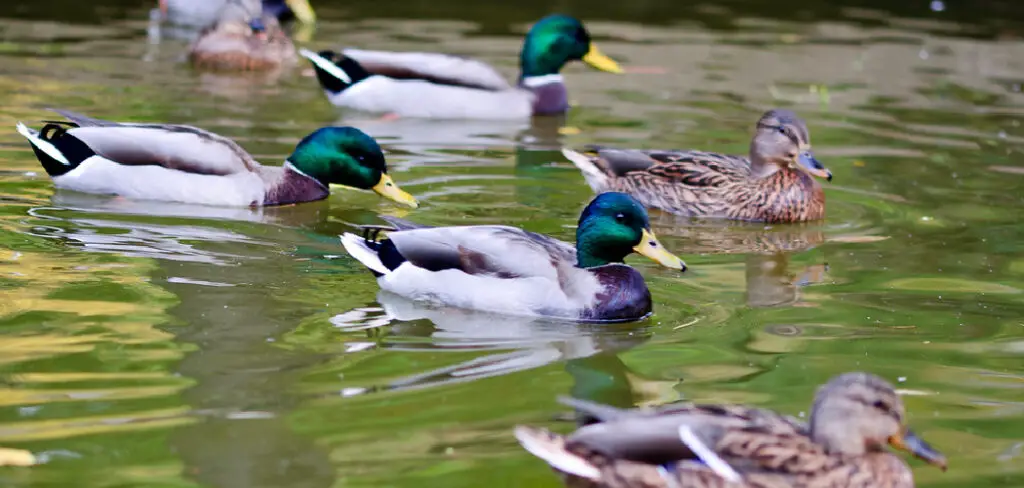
507,270
179,163
431,85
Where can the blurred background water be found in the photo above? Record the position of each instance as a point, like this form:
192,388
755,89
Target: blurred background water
147,344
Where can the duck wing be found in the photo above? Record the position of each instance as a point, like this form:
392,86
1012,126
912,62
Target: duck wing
442,69
504,252
651,435
179,147
693,168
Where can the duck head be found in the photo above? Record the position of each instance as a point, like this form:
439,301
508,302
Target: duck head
556,40
347,156
782,141
859,413
614,225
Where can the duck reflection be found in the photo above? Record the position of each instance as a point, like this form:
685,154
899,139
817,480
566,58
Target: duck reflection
767,249
521,343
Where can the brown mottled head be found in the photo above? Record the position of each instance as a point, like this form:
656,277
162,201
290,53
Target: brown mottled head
858,413
242,38
782,141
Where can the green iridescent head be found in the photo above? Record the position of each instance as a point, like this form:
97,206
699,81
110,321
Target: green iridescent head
556,40
347,156
614,225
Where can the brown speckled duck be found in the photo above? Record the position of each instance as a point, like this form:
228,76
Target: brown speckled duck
776,184
854,416
243,38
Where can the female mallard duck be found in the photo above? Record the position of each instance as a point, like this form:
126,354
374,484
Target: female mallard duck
242,38
443,86
179,163
853,418
775,185
508,270
201,13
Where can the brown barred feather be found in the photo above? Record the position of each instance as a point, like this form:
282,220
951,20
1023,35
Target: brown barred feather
231,45
767,449
702,184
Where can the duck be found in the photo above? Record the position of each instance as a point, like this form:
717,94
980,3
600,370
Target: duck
853,418
507,270
201,13
774,184
185,164
243,38
433,85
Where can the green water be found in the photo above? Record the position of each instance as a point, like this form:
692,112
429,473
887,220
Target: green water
146,344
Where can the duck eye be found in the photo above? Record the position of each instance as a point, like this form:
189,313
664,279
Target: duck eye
781,129
621,217
880,405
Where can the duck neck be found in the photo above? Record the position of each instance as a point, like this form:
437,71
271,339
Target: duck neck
294,186
592,255
549,93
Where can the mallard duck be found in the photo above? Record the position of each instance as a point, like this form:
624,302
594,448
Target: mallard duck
201,13
180,163
507,270
242,38
853,418
776,183
416,84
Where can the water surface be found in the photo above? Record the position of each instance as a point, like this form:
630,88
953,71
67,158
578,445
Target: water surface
148,344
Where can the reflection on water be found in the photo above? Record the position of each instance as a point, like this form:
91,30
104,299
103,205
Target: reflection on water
152,344
529,342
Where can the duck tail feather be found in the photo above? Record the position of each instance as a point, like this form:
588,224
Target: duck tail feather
333,76
603,413
594,174
551,448
358,248
57,150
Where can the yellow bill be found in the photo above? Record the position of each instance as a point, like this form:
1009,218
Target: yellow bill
597,60
387,188
651,248
302,10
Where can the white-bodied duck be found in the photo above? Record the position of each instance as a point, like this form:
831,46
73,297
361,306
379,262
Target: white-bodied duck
508,270
431,85
180,163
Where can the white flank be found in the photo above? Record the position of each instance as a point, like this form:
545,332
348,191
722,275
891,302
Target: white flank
535,81
326,65
357,248
44,146
558,459
716,463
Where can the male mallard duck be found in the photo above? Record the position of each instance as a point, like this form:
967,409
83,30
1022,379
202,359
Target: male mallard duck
443,86
179,163
853,418
242,38
508,270
775,185
201,13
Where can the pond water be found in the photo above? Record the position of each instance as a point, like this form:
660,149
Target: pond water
146,344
